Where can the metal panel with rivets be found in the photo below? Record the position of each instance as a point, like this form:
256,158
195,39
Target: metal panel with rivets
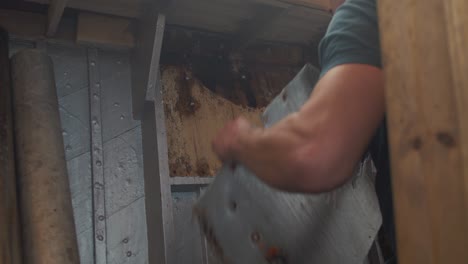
248,222
94,92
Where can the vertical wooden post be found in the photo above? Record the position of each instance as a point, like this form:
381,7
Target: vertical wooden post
9,220
425,60
54,15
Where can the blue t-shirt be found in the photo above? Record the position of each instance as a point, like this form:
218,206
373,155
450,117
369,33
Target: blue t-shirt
352,36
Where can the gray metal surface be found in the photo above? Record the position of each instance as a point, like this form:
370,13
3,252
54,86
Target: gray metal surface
249,222
74,115
146,54
79,173
70,67
120,154
159,211
188,239
99,185
116,107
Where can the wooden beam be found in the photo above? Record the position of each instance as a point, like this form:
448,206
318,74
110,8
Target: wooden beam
425,65
132,9
262,22
107,31
55,13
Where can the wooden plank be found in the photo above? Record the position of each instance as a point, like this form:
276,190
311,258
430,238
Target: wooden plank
55,13
9,216
427,99
194,115
261,23
107,31
33,26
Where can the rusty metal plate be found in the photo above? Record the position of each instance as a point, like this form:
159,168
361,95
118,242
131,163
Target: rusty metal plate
248,222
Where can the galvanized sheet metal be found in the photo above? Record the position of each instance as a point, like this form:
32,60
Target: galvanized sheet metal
244,218
116,89
123,170
188,239
79,174
122,150
74,116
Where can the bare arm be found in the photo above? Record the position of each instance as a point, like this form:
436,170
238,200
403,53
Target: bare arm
317,148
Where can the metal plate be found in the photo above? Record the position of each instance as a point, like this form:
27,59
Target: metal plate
126,235
189,243
248,222
123,170
79,173
74,116
70,67
116,94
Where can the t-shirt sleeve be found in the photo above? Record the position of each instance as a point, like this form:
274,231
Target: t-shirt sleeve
352,36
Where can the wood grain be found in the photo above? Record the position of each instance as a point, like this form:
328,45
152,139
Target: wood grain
107,31
55,13
194,115
425,63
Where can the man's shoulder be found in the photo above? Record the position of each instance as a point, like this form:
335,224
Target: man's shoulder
352,36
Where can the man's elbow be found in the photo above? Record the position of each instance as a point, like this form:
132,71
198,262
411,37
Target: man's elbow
317,171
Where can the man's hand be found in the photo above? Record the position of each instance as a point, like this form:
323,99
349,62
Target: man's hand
227,141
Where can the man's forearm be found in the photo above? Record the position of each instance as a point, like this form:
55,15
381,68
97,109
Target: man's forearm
317,148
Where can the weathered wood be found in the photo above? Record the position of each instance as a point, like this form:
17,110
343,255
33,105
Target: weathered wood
194,115
425,64
54,16
259,25
33,26
105,31
9,218
47,219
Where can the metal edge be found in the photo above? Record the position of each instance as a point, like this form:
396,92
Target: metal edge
97,168
191,180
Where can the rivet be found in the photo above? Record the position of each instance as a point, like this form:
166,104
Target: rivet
68,86
129,253
98,163
122,117
125,241
101,218
233,205
100,237
97,85
116,104
68,148
255,236
93,63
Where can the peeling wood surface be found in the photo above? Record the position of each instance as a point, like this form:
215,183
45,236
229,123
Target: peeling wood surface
194,115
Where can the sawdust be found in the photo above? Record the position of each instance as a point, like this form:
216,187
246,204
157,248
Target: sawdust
194,115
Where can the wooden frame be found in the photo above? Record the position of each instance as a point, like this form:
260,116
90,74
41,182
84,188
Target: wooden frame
425,64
